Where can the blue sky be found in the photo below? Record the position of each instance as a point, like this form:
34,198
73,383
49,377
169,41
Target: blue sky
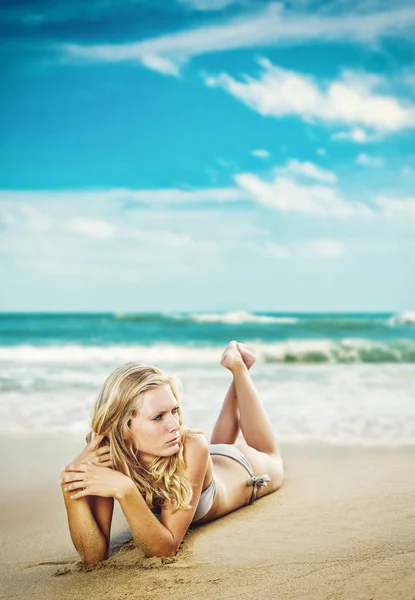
207,155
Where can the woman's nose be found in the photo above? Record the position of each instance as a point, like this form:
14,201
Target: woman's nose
172,424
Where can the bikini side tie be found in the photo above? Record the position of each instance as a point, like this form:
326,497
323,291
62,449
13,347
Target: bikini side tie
255,481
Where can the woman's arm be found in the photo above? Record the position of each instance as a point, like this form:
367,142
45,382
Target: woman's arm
90,480
157,538
164,539
90,520
90,539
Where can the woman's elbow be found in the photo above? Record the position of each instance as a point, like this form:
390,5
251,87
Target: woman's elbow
91,559
91,555
166,550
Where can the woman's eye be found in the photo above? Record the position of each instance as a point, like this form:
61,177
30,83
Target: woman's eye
159,417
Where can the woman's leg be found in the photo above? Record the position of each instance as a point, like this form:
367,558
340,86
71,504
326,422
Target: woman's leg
253,420
226,428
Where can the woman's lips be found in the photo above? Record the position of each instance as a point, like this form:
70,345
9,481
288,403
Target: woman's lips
174,441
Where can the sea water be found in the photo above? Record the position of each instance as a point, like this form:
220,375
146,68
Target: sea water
336,378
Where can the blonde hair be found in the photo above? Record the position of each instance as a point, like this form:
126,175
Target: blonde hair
121,396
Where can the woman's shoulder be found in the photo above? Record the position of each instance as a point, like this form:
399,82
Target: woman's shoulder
195,442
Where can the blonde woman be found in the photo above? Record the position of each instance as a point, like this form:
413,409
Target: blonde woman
164,475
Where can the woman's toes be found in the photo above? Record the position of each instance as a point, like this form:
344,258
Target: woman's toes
247,353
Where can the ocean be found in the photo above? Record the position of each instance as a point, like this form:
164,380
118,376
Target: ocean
333,378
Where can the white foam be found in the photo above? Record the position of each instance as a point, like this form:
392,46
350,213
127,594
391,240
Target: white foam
346,350
405,318
344,404
240,317
117,354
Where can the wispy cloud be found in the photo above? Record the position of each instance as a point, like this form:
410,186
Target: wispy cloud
286,194
260,153
92,228
163,196
357,134
403,208
270,26
326,248
298,187
308,170
365,160
351,100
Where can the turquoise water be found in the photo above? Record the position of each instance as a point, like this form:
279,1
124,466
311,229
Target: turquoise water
348,337
340,378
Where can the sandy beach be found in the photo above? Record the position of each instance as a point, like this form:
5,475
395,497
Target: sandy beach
342,526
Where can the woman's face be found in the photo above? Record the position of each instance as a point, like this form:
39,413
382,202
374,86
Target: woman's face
156,426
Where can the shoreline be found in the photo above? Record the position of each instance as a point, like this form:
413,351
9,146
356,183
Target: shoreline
341,526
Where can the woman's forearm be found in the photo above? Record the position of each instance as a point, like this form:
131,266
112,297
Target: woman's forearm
86,536
147,530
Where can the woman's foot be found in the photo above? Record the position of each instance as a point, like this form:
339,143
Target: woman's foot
234,356
247,353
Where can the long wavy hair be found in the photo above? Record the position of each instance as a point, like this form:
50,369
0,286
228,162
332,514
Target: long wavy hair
119,400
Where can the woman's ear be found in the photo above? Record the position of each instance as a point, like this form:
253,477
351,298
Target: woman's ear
129,436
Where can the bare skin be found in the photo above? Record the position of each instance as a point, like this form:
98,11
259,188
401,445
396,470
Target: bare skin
96,484
242,412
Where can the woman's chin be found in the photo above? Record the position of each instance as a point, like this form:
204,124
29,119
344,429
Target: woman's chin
174,448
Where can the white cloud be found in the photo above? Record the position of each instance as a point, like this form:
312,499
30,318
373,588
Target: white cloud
321,152
357,134
397,207
153,196
155,236
369,161
287,195
92,228
308,170
260,153
23,215
288,191
269,26
158,63
350,99
325,248
173,195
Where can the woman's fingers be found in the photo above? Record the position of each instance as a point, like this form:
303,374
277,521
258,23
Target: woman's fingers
101,455
99,460
72,477
75,485
80,467
80,494
98,437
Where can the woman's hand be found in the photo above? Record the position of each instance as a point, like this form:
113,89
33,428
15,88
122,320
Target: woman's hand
91,453
86,479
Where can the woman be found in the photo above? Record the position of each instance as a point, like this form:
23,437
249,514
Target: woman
143,456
